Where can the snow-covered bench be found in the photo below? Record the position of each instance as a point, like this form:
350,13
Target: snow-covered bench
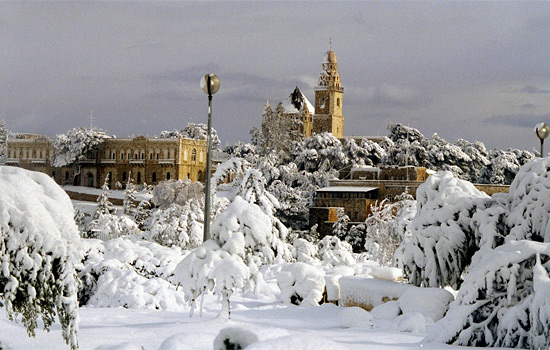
368,293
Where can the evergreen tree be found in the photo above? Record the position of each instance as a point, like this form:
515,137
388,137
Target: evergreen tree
104,206
340,227
129,202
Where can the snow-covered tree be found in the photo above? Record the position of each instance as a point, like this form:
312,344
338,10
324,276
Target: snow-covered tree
129,202
179,225
497,249
4,133
241,241
504,165
104,206
340,227
39,245
75,145
177,192
112,226
243,237
196,131
444,236
381,240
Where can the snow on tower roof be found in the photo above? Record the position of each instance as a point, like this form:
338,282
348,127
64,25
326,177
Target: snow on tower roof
296,101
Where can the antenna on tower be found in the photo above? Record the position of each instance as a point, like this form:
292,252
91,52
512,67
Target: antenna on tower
92,120
330,43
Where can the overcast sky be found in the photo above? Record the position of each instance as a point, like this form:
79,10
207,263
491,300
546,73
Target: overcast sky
472,70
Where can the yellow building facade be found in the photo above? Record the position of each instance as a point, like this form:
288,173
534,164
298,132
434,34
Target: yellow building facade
145,160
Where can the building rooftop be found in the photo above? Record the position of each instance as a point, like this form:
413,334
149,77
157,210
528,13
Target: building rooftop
347,189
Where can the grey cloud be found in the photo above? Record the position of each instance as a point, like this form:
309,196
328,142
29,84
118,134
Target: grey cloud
518,120
530,89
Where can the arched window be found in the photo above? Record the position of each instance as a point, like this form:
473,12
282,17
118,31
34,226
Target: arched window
199,175
194,155
139,177
151,156
124,176
154,177
121,155
67,177
188,176
158,156
142,155
109,178
168,176
53,174
338,102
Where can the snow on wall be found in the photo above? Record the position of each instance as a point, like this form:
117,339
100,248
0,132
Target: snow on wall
369,292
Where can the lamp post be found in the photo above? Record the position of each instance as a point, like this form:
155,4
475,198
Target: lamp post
210,84
542,131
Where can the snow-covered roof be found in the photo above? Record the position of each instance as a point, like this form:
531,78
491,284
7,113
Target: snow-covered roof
365,168
347,189
295,102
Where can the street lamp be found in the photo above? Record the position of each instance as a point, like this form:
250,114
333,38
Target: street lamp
210,84
542,131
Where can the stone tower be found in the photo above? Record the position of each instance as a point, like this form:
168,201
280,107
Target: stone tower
328,99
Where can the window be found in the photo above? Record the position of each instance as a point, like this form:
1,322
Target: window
154,177
199,175
338,102
194,155
121,155
110,178
66,176
158,156
142,155
90,180
53,174
168,176
139,177
124,176
151,156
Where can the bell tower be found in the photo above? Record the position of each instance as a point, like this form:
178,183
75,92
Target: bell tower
328,99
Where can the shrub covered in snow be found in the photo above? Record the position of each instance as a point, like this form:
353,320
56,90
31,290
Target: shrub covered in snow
124,273
305,251
354,317
334,251
179,225
39,245
234,338
301,283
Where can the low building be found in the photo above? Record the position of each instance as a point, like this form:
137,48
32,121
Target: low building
364,187
148,160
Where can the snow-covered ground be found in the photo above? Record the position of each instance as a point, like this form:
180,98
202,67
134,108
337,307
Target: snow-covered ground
311,327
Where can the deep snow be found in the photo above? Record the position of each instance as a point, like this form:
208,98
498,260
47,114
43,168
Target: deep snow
109,328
